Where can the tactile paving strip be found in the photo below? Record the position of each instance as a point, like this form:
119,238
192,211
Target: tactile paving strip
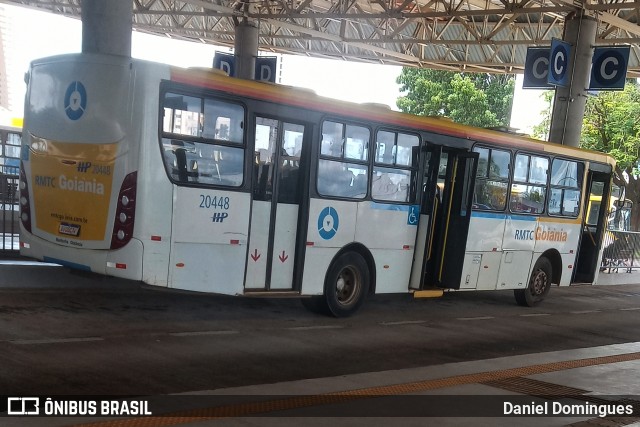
273,405
532,387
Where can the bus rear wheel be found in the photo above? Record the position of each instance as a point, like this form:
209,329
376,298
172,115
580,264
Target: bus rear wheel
539,284
345,287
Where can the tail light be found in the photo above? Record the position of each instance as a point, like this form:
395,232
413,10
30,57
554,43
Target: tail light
125,212
25,205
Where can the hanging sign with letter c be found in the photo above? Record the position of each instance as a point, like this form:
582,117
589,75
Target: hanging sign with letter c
609,68
559,63
536,68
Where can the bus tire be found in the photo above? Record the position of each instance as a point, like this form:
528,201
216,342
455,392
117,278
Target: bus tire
539,284
346,284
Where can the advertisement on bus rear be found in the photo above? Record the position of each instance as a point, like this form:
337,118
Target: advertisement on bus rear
72,189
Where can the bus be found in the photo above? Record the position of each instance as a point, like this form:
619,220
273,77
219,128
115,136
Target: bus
619,210
189,179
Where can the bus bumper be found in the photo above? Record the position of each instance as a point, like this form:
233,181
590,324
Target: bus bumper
125,262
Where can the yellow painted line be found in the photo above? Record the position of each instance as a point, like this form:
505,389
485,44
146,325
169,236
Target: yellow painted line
274,405
431,293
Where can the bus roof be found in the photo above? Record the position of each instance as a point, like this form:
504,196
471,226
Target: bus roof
307,99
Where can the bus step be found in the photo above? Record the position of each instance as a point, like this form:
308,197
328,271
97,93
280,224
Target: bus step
271,294
428,293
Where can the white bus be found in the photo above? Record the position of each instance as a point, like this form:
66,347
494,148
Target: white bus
192,180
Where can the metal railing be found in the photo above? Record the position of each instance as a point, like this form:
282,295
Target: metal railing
621,251
9,211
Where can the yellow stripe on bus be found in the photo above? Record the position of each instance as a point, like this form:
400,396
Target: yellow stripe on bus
560,220
303,98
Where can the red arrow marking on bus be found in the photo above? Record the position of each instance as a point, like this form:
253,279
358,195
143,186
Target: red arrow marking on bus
255,256
283,257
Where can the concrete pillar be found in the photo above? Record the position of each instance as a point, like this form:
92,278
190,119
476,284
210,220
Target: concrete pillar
570,102
246,49
106,26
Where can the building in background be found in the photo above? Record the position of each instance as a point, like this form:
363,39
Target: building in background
5,37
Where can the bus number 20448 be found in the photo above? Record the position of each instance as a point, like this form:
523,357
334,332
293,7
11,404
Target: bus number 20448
215,202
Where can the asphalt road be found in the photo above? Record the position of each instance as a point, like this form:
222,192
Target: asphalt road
65,333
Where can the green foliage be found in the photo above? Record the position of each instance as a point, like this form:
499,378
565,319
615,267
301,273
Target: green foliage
541,130
611,124
474,99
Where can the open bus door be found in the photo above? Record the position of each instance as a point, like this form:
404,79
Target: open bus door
593,226
445,215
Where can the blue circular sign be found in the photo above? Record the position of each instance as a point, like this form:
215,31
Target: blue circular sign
328,223
75,100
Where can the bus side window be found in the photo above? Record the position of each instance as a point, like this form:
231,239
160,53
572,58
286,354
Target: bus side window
207,138
223,121
339,179
343,166
566,185
181,164
528,190
395,167
175,159
492,178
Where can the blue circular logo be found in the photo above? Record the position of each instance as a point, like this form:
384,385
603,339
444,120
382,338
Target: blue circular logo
75,100
328,223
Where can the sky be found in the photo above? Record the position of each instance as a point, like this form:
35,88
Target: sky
32,34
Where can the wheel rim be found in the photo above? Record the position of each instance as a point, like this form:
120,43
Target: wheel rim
348,285
539,282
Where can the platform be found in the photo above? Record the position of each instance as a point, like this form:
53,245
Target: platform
551,386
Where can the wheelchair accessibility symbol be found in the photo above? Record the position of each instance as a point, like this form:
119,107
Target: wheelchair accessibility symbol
328,223
413,216
75,100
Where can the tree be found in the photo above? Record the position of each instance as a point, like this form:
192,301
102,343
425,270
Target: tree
611,125
541,130
475,99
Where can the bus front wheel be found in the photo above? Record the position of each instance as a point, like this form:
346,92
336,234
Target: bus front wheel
539,284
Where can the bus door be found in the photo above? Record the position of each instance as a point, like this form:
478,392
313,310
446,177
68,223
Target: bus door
593,227
447,199
276,240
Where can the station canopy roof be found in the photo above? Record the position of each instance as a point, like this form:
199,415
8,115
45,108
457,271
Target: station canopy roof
460,35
